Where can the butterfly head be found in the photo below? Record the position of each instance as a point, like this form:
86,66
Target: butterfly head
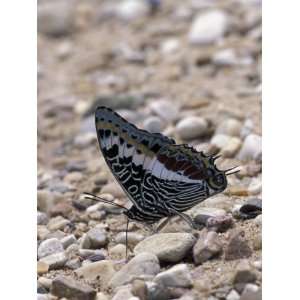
217,179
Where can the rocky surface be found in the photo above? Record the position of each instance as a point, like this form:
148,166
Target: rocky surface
188,69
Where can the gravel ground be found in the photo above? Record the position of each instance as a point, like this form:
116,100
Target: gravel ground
191,70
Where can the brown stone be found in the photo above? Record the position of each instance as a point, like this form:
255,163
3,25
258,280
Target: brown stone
237,246
68,288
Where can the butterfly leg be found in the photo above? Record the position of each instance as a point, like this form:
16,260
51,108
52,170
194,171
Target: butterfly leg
162,224
186,218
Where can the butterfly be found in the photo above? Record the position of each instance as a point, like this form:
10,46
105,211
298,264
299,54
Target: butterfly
161,179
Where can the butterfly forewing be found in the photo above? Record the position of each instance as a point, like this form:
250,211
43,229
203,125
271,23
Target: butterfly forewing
128,151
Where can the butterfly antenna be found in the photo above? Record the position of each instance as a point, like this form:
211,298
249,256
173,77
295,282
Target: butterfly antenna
126,238
230,173
96,198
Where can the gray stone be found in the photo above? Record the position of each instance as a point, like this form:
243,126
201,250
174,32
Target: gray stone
42,218
255,186
237,246
219,223
251,292
153,124
132,9
258,220
168,111
156,291
50,246
230,127
84,140
86,253
139,289
73,263
118,251
207,247
55,261
177,276
72,250
84,242
232,147
45,282
97,238
247,128
170,46
57,223
133,238
228,145
56,18
68,240
251,148
43,297
46,200
141,265
73,177
124,292
173,247
101,269
66,287
233,295
224,58
191,127
207,211
208,27
114,189
243,273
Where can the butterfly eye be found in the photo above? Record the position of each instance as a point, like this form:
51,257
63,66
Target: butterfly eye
209,173
219,179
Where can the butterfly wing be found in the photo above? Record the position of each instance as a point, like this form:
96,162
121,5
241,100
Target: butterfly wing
129,152
177,179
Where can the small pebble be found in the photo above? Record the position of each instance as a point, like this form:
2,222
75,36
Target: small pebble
157,291
251,292
129,10
97,238
165,109
177,276
237,246
219,223
124,292
230,127
68,240
142,264
192,127
42,267
45,282
251,148
42,218
233,295
133,238
139,289
69,288
118,251
250,209
153,124
55,261
100,269
208,27
207,247
114,189
57,223
50,246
